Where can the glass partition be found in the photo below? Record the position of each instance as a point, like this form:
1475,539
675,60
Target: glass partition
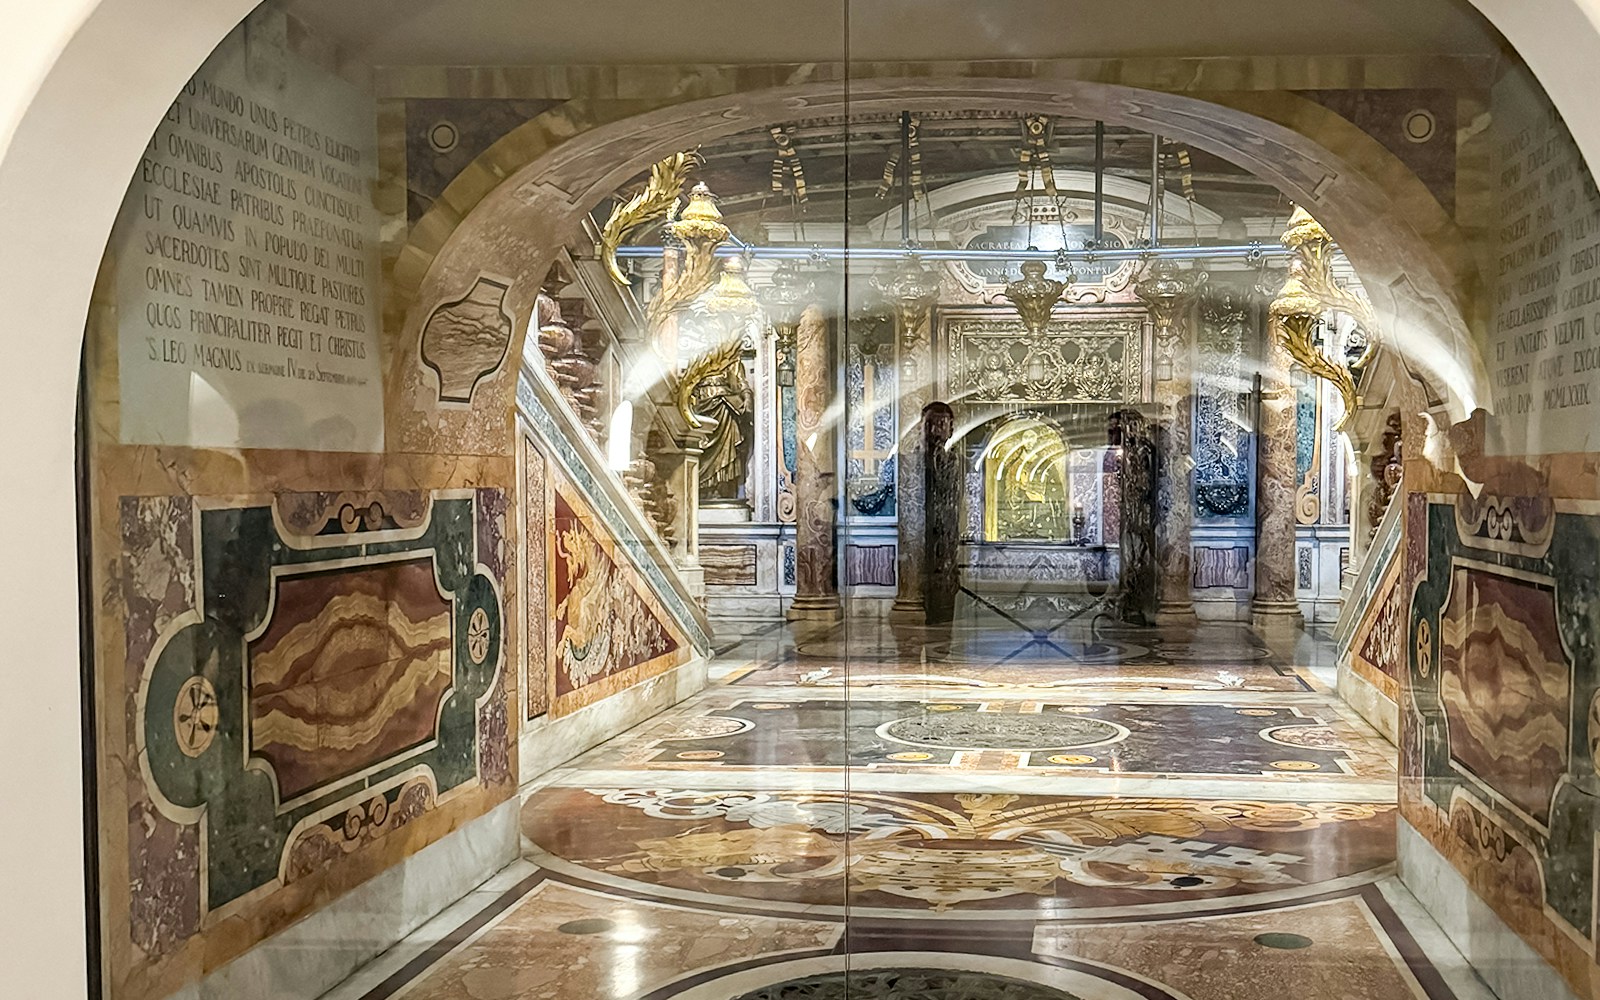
854,499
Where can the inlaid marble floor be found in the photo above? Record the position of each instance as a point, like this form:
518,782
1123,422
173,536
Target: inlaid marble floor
906,813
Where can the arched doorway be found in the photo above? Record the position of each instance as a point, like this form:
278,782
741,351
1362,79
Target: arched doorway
38,177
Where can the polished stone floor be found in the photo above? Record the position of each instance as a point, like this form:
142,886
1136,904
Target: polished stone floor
1039,804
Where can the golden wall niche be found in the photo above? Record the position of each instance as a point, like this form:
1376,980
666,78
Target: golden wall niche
1026,491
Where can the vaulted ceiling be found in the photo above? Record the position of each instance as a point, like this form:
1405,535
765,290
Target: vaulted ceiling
843,165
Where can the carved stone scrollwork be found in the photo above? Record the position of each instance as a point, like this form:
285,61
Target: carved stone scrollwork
565,354
644,484
1386,467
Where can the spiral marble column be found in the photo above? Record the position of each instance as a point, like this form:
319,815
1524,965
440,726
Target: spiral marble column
816,594
1274,605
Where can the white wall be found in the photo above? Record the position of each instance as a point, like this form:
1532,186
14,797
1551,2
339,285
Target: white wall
82,85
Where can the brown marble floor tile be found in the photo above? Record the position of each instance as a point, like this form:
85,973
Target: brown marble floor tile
962,852
785,810
1332,950
560,943
903,731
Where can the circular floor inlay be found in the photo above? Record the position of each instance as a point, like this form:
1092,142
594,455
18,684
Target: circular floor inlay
908,984
1071,758
999,731
707,727
1283,942
594,925
1306,737
1295,765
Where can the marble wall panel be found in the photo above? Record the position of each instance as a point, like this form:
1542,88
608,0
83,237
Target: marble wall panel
301,685
729,565
1214,567
1378,646
535,533
608,628
466,339
443,137
1504,685
1499,690
869,565
350,671
1414,124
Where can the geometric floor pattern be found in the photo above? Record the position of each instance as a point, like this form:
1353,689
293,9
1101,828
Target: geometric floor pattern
877,813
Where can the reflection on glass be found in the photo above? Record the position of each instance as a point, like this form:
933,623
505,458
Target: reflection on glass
976,520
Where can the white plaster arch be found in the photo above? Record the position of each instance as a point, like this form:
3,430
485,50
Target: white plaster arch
82,86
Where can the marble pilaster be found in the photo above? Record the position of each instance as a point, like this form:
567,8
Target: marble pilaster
816,479
682,481
913,289
1169,293
1174,504
1139,568
1274,604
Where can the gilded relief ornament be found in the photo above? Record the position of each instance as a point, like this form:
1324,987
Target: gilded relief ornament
1310,292
1314,246
1168,292
698,232
657,200
1298,314
1035,296
1092,359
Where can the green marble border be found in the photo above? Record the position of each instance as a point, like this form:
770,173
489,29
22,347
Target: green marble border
246,827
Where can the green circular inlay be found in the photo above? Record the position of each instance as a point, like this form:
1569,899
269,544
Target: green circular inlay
1284,942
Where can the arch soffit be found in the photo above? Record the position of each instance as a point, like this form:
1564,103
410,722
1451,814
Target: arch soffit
511,219
543,133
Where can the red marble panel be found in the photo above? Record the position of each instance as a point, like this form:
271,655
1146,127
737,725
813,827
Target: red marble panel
1505,686
349,672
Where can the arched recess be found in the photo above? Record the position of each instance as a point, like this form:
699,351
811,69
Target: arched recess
1027,492
514,228
71,142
